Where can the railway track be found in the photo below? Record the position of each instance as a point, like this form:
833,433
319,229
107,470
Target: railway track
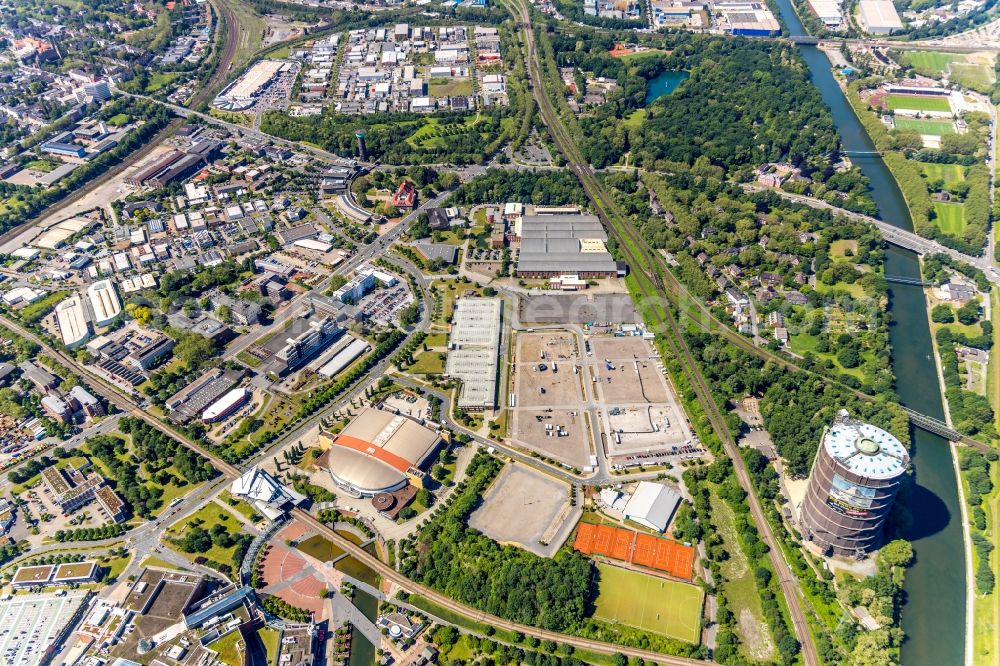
225,64
225,11
232,472
655,277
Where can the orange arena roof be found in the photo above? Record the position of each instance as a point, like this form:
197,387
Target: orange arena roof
396,462
642,549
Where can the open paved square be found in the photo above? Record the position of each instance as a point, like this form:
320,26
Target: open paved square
550,387
566,438
525,508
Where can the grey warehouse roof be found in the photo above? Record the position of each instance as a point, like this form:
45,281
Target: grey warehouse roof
474,346
552,243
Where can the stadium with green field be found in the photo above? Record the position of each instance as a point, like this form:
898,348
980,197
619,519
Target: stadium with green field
918,103
647,602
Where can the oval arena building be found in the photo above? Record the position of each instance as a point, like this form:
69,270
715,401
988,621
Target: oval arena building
854,481
379,452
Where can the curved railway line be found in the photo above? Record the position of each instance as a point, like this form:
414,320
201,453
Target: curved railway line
127,406
226,13
640,258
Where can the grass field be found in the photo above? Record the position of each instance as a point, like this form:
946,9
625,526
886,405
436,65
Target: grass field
211,514
950,217
449,87
931,62
938,127
160,80
269,639
639,55
427,363
951,174
119,119
43,166
647,602
975,76
741,587
986,608
231,649
635,119
919,103
432,133
804,343
839,248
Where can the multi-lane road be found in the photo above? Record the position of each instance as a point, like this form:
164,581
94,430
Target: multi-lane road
230,471
364,254
892,234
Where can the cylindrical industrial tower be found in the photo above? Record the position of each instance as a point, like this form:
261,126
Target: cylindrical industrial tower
852,486
362,150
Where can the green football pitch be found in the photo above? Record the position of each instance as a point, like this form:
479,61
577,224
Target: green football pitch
933,62
919,103
647,602
938,127
950,174
950,217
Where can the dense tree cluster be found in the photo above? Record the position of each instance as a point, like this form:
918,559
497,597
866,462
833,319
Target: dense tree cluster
491,652
449,556
971,412
552,188
165,383
735,109
178,285
280,608
881,595
976,466
719,479
91,533
934,269
713,228
30,469
9,551
393,138
153,452
795,406
956,25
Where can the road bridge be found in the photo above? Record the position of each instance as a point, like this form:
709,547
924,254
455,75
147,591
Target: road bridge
894,235
898,279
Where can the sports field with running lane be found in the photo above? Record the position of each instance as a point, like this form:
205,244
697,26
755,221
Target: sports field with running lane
647,602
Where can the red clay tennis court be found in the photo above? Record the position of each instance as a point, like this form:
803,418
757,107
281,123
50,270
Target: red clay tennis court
603,540
674,558
629,546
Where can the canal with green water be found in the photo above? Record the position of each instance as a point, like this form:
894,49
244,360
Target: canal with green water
934,612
